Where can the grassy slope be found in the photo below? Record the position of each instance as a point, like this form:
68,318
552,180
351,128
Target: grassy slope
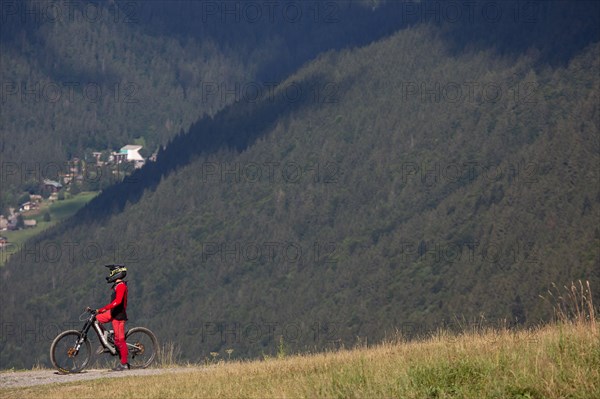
551,362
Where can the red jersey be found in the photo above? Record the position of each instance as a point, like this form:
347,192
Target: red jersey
118,302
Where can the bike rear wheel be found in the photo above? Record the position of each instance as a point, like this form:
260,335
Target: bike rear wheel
69,352
142,346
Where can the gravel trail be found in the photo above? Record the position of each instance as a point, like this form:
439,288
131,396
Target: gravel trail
18,379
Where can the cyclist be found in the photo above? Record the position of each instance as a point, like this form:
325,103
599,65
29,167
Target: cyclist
115,311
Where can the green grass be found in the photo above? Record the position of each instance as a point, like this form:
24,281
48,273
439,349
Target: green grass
63,209
555,361
59,211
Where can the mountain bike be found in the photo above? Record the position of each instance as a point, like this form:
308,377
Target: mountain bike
71,350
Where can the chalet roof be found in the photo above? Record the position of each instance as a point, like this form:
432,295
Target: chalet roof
49,182
131,147
132,152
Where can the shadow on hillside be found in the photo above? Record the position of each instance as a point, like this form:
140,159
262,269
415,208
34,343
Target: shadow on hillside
558,30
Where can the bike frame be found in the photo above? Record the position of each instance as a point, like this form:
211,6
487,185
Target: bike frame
93,322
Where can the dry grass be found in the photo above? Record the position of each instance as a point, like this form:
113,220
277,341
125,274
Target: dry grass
169,355
557,361
573,304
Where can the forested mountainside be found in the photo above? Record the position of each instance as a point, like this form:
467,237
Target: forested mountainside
79,77
398,186
87,76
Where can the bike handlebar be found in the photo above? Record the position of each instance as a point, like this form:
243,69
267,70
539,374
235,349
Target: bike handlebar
87,310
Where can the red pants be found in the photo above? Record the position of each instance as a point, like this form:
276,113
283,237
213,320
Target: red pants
119,329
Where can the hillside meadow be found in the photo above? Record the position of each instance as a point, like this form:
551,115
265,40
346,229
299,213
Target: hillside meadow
58,211
553,361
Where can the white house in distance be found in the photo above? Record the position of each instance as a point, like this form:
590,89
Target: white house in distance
130,154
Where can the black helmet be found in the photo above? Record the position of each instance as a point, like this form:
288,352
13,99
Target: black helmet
116,272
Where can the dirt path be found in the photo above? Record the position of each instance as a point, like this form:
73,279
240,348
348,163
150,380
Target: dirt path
18,379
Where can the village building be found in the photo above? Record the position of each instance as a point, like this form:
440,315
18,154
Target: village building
12,223
52,186
29,223
3,223
97,155
132,154
28,206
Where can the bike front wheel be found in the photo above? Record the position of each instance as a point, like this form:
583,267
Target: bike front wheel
70,352
142,346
